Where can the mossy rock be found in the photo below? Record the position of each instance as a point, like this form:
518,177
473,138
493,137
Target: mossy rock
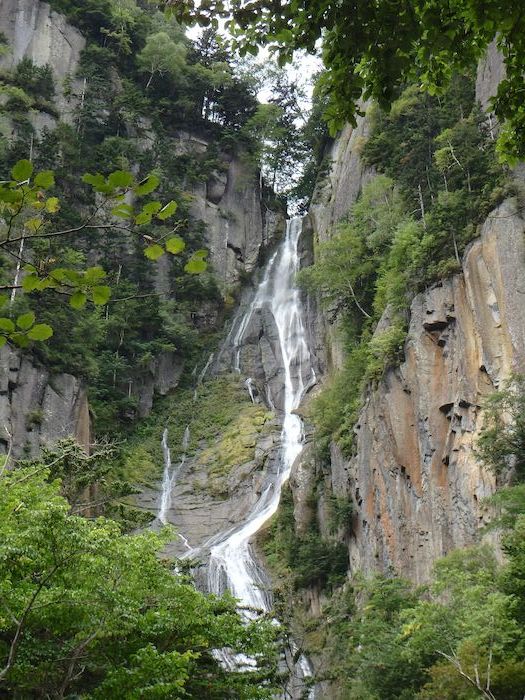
224,426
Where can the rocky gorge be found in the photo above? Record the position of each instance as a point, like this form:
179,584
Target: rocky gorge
413,488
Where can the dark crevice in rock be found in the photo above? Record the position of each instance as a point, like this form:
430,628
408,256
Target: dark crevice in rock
237,251
435,326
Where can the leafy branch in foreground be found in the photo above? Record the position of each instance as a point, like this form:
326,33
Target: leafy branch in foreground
27,215
373,49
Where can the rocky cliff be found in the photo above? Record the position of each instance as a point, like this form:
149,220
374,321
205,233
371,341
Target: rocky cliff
37,407
416,486
237,226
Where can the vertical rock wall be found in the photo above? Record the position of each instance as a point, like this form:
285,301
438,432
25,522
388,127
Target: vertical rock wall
415,484
33,30
38,408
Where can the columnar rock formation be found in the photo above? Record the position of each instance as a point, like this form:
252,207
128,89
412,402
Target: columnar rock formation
415,482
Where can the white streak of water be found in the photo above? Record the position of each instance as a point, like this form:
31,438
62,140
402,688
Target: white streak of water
231,564
250,386
170,473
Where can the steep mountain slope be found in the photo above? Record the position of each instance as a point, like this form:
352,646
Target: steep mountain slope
222,198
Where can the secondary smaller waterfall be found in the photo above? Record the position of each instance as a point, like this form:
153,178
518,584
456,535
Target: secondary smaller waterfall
170,473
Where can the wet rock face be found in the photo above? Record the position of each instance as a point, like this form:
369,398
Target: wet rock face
415,482
207,500
238,224
259,353
38,408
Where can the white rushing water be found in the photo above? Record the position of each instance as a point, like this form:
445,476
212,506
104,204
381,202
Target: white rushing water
231,564
170,473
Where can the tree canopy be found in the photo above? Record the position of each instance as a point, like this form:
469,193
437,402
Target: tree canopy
372,49
86,609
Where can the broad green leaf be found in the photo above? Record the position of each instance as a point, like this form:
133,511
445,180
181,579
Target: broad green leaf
98,182
45,179
94,274
78,299
29,268
19,339
22,170
120,178
72,276
167,210
33,224
95,180
200,254
195,266
3,341
30,283
47,283
154,252
123,211
147,185
42,331
175,245
59,274
143,218
25,321
101,294
151,207
52,205
3,299
7,325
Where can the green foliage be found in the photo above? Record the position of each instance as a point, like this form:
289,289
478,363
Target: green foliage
460,637
384,638
501,445
408,229
374,50
223,425
87,610
334,411
308,559
341,510
27,214
35,80
161,55
278,143
88,481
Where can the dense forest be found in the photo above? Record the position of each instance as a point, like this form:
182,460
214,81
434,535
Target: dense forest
121,183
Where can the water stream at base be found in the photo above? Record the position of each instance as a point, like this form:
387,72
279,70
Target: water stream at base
170,474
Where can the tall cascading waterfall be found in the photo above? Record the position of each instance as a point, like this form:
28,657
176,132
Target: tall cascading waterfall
232,564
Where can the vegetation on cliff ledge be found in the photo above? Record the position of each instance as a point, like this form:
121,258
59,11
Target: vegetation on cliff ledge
437,179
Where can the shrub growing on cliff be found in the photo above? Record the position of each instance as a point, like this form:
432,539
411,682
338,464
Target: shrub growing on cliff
308,559
501,445
460,637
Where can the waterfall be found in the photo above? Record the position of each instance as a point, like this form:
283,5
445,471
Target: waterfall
231,563
170,474
251,388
